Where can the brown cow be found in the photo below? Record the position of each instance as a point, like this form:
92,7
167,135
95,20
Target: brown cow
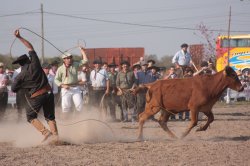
197,94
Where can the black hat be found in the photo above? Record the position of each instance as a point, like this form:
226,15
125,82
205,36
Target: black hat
154,67
151,60
97,61
162,68
184,45
54,63
112,65
204,64
125,62
46,65
138,66
21,60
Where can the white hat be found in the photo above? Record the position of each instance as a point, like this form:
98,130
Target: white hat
65,55
1,64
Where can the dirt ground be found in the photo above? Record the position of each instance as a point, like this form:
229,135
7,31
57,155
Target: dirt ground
226,142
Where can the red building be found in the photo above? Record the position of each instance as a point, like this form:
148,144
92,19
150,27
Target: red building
115,54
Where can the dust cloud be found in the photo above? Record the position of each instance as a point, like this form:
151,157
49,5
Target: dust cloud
78,128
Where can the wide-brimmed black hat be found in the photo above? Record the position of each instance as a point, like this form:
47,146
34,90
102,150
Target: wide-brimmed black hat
125,62
97,61
112,65
154,67
184,45
151,60
21,60
138,66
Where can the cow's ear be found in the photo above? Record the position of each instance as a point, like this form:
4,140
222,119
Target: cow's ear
228,70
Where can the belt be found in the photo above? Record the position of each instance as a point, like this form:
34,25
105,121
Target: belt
41,91
72,85
99,88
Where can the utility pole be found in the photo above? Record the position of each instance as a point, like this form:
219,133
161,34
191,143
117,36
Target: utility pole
42,33
228,52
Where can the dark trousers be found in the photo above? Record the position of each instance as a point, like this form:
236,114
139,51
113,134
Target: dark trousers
96,97
118,101
111,103
3,103
45,101
140,102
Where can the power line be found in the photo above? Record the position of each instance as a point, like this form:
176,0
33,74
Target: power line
19,14
136,24
115,22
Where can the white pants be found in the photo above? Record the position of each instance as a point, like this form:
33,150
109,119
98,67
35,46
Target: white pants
69,96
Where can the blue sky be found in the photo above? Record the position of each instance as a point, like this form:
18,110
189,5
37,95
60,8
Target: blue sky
160,26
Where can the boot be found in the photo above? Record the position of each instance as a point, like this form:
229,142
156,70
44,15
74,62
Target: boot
40,127
54,131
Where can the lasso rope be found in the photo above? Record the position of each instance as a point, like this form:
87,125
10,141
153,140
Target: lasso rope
69,124
36,35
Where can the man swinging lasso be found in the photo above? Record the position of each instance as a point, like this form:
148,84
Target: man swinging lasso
37,91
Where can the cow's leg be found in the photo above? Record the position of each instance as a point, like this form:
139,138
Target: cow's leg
163,123
210,119
193,122
144,116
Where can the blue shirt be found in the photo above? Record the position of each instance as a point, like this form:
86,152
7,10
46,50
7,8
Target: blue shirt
145,77
181,58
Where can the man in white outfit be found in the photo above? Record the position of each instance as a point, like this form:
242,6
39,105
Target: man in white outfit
67,78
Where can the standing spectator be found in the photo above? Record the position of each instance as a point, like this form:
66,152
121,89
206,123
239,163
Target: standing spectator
246,82
37,91
53,68
171,73
150,62
182,60
112,98
20,97
136,68
67,79
51,78
205,70
4,80
188,72
83,79
143,77
105,66
154,75
99,82
52,71
125,83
